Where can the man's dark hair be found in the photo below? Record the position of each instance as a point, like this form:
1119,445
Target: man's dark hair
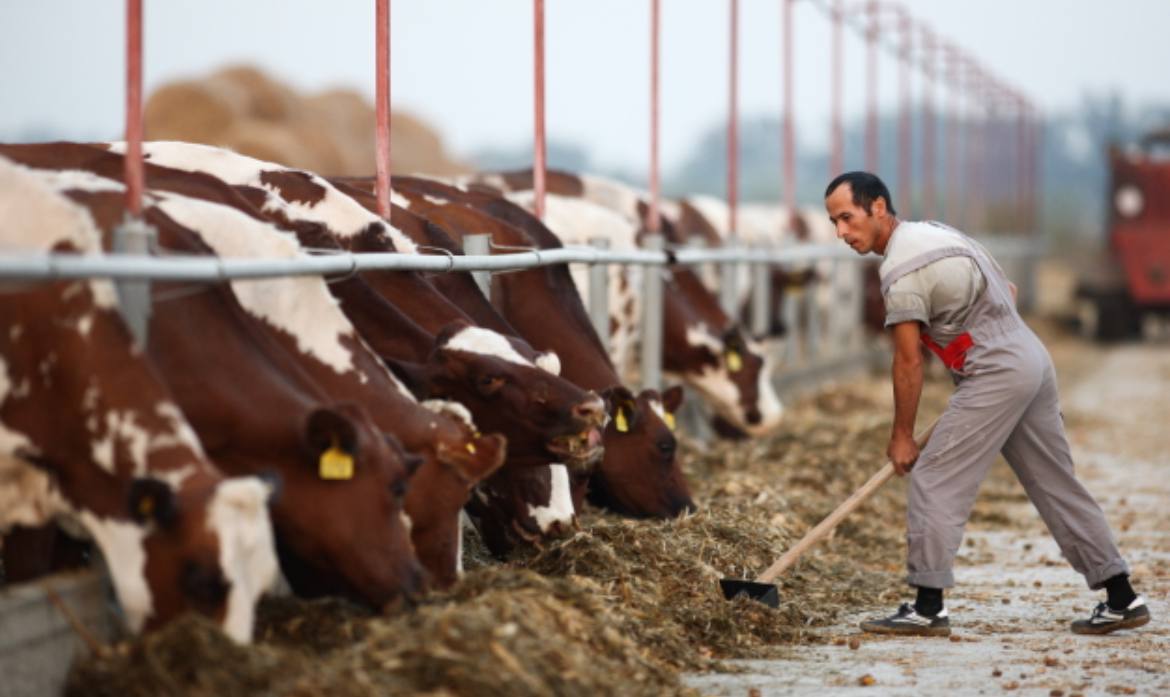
866,188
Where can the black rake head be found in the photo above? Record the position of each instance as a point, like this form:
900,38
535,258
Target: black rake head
766,593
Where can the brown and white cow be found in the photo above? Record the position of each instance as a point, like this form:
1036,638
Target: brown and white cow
507,386
702,346
639,474
88,431
338,518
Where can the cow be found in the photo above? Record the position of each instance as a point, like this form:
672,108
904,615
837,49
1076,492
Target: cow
338,518
639,474
703,347
89,432
507,386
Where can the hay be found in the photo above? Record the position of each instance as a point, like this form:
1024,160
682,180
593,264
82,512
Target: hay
619,607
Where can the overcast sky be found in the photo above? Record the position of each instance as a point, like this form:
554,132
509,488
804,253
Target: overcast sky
466,65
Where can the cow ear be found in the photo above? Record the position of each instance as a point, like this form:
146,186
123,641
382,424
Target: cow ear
484,456
152,501
623,408
672,399
332,439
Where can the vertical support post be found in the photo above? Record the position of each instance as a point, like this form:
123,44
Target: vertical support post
906,188
951,209
652,318
382,105
761,298
789,135
733,127
729,288
871,89
929,160
539,163
652,222
134,236
794,342
599,294
837,136
812,348
480,245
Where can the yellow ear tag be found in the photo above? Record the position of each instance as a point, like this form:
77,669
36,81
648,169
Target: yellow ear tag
669,419
470,448
146,506
734,361
335,463
619,421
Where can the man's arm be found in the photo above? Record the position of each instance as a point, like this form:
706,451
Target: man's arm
907,378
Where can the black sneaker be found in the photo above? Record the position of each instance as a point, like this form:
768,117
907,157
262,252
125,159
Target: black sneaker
907,622
1105,620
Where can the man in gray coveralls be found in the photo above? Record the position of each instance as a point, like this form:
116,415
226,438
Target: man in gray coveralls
944,290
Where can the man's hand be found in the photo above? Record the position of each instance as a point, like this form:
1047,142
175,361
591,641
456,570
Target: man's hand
903,452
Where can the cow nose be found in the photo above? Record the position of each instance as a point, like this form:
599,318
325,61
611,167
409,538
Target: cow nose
560,528
753,416
591,411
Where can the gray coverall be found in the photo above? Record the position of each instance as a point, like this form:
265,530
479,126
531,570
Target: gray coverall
1005,401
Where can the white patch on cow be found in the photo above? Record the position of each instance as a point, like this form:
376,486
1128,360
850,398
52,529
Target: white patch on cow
238,514
656,407
549,362
496,181
485,342
407,523
455,409
614,195
85,324
121,427
340,213
299,306
464,524
398,199
700,335
560,501
121,543
37,218
181,434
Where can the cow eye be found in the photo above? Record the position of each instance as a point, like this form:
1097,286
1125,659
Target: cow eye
488,384
398,488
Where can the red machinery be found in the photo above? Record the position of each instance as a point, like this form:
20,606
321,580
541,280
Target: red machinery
1135,280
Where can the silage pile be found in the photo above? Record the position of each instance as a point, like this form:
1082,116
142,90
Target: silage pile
618,607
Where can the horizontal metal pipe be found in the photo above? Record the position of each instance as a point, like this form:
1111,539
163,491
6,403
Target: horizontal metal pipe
210,269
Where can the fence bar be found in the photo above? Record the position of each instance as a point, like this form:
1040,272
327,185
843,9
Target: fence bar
133,163
474,245
134,236
761,299
788,195
652,223
539,159
729,288
599,294
652,320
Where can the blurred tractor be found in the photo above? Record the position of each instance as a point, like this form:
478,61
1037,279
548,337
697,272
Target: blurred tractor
1132,284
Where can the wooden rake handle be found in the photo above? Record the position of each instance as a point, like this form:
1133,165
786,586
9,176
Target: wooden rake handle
826,526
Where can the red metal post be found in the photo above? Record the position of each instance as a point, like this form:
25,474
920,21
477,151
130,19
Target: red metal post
952,211
837,137
652,219
539,165
133,169
973,204
1021,163
905,187
929,195
382,106
789,192
732,124
871,88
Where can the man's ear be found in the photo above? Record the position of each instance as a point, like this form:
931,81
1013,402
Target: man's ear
879,207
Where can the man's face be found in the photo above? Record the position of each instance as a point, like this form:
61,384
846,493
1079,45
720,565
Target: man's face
859,229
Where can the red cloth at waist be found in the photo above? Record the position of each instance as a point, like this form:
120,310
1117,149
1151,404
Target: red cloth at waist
955,353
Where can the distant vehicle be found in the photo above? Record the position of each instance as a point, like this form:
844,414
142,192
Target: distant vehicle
1133,282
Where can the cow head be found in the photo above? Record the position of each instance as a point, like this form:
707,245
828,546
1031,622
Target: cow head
544,416
640,475
340,514
461,459
733,373
206,547
521,505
